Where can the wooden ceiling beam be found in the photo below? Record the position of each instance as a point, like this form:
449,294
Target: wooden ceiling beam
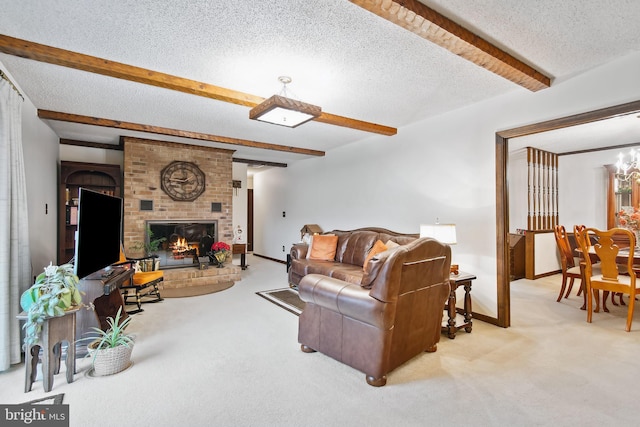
259,163
105,67
101,145
437,28
117,124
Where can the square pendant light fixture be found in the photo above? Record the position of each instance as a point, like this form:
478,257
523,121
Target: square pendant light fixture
284,111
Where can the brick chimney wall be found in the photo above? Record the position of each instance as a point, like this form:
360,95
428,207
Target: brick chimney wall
143,161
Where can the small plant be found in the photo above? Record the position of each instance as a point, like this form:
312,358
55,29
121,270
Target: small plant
54,291
152,246
112,349
114,336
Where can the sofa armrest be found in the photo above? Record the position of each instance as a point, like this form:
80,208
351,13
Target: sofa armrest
347,299
299,251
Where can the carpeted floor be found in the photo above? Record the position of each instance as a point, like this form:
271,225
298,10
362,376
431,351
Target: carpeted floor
231,359
286,298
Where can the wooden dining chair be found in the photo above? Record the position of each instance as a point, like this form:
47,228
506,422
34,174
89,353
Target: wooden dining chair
612,259
578,234
577,230
569,269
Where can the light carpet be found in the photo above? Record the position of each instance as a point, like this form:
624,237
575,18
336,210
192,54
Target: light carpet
231,359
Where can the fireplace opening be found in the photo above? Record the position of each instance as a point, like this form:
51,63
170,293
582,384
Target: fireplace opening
184,242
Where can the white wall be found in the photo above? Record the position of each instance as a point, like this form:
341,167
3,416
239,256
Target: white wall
441,167
74,153
40,151
240,199
583,188
518,190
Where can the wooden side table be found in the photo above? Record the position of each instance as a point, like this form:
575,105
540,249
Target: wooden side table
455,281
54,331
240,248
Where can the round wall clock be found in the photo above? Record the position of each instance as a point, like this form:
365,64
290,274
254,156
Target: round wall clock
182,181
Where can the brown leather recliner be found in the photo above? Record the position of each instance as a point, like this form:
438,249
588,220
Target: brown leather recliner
379,327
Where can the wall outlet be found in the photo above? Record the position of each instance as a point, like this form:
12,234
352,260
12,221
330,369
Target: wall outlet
283,248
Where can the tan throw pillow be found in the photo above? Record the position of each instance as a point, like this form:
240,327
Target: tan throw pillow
377,247
323,247
391,244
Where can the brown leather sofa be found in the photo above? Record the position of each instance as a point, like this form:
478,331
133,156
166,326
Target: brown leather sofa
393,314
352,250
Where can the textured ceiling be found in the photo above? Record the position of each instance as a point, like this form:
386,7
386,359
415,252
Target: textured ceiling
340,56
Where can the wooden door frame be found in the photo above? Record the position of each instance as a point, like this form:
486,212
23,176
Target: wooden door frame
502,189
250,219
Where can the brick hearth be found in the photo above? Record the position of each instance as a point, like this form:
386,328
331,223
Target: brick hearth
193,276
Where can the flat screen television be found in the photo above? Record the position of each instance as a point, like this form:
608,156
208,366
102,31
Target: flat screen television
99,231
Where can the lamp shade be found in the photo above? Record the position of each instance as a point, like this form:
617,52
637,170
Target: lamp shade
310,229
445,233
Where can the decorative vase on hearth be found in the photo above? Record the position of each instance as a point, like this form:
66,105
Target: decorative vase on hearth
217,258
218,253
221,257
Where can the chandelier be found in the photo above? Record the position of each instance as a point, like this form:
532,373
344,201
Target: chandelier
628,166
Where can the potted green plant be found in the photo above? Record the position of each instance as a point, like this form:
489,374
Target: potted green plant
54,291
150,247
111,351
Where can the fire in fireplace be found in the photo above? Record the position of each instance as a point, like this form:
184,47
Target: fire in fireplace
184,242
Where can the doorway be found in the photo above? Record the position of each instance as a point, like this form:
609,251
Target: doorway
250,220
502,191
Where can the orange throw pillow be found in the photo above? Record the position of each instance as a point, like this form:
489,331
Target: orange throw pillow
377,247
323,247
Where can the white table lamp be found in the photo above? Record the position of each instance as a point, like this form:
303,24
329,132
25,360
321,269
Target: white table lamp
445,233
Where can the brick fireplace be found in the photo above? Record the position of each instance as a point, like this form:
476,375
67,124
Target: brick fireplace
146,203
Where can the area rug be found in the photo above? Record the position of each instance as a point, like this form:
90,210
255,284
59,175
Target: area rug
286,298
193,291
56,399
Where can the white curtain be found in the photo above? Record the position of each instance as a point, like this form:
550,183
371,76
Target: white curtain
14,231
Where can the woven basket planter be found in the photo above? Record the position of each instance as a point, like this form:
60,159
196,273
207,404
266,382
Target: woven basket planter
109,361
